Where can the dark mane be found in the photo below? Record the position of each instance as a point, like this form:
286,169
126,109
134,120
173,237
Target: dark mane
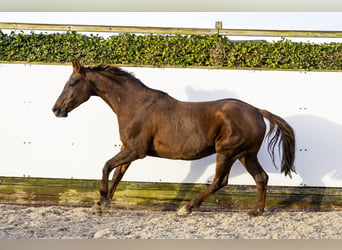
117,71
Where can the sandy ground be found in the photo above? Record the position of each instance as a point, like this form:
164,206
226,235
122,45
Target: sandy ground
25,222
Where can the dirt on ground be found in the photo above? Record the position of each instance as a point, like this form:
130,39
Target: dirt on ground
56,222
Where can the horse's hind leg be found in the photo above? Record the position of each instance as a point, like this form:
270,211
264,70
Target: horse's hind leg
223,166
253,166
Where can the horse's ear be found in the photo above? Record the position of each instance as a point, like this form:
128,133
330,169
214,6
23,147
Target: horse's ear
77,66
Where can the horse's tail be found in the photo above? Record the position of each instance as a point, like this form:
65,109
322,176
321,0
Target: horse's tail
285,135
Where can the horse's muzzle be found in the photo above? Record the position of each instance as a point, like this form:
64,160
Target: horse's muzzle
60,112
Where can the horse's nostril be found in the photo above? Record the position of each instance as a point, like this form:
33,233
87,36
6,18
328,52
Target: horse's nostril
55,110
60,112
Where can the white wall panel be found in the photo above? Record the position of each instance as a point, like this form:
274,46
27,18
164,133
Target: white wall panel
34,142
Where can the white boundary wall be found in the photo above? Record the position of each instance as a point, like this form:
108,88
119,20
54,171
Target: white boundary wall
35,143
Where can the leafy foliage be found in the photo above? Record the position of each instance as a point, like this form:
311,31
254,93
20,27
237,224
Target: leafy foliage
169,50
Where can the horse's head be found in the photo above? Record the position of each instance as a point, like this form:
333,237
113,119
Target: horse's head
76,91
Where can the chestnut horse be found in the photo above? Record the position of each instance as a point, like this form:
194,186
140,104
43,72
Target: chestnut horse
152,123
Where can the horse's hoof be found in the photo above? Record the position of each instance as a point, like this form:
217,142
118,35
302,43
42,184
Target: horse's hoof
183,211
96,209
255,213
105,205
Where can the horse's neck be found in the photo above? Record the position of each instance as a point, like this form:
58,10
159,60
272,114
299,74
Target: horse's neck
120,94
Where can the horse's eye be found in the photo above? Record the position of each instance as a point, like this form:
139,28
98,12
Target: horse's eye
74,83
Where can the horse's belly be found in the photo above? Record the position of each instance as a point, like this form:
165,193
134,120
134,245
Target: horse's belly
188,150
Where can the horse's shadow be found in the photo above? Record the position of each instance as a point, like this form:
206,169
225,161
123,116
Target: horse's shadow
318,162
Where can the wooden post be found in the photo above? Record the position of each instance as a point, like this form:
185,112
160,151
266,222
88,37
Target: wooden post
218,26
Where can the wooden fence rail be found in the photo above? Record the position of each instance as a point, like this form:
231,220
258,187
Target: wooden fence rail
168,30
164,196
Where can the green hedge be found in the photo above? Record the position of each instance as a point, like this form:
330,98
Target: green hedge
169,50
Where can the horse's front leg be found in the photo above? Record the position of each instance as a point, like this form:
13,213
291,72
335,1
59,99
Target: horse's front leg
123,158
117,176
